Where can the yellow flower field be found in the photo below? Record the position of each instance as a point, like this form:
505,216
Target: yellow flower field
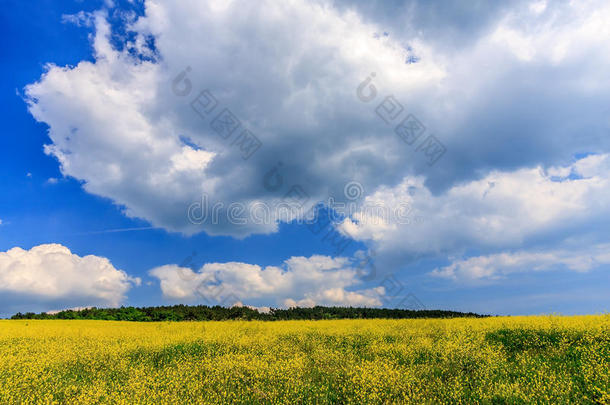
544,359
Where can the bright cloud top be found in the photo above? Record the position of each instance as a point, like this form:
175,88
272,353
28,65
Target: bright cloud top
51,275
301,281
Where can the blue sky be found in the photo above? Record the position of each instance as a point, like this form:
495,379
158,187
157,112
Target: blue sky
506,214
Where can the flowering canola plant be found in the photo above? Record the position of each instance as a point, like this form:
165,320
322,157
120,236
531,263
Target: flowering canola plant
541,359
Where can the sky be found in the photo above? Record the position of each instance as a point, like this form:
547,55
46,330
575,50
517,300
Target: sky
441,155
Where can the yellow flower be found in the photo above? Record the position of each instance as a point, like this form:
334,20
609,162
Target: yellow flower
505,359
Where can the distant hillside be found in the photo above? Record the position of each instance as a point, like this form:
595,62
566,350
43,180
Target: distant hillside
218,313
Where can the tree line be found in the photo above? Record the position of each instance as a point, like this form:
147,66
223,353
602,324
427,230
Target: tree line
218,313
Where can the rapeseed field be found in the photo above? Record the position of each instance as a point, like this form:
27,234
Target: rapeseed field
543,359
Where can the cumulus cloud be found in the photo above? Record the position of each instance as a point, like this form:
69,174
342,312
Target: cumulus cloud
502,210
300,281
526,88
50,276
500,265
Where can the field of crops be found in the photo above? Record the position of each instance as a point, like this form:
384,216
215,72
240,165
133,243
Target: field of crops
491,360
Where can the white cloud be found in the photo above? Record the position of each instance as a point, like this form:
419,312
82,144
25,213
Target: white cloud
500,210
116,125
514,96
317,280
498,266
50,276
538,7
80,19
